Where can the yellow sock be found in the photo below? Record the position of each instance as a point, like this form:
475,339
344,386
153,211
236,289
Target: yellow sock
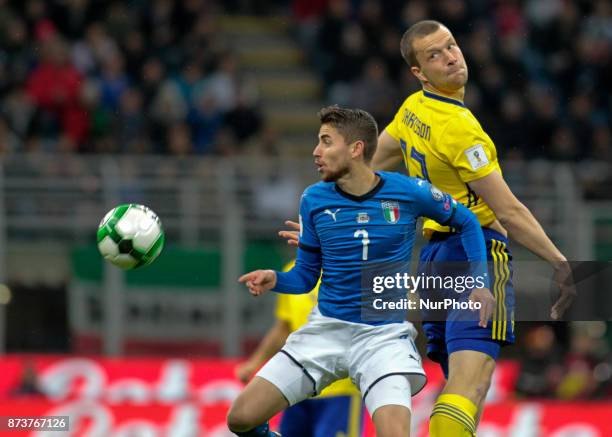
453,416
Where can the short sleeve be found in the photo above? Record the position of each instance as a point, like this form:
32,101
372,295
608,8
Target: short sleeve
468,148
308,240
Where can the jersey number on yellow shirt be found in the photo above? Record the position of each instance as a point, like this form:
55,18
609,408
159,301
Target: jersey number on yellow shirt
419,158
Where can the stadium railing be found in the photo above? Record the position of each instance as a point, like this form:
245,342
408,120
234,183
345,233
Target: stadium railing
50,206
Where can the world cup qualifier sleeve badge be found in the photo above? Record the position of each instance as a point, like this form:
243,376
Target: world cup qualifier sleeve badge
391,211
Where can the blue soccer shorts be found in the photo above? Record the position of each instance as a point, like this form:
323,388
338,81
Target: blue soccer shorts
325,416
447,334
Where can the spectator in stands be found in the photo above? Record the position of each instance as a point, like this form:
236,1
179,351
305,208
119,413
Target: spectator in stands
374,90
205,120
113,82
552,62
553,59
29,384
541,368
55,87
179,140
578,381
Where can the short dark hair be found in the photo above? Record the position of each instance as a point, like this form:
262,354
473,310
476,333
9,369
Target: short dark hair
417,30
353,125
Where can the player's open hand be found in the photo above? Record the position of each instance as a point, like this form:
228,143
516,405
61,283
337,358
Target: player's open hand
293,235
487,304
565,281
259,281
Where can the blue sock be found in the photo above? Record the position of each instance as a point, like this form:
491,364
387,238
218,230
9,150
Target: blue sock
260,431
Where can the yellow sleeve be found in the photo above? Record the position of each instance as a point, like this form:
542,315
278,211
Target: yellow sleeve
468,148
283,303
283,307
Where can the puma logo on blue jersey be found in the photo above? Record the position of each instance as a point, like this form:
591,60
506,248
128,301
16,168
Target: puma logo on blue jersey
332,214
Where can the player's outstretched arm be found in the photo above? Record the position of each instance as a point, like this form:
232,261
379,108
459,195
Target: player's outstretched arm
523,227
388,155
303,277
259,281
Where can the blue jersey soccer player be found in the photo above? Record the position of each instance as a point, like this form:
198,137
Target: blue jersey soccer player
441,141
353,218
338,409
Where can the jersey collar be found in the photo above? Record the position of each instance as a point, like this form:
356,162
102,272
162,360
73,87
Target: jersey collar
443,99
365,196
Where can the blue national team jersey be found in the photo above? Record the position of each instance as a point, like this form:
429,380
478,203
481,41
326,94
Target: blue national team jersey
342,233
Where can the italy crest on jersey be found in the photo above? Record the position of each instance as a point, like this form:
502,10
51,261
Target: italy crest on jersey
391,211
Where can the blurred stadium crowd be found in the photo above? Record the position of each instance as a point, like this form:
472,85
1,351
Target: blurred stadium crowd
118,77
138,76
537,69
90,76
565,361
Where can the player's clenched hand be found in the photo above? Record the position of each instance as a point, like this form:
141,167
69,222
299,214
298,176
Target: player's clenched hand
292,236
565,281
259,281
487,304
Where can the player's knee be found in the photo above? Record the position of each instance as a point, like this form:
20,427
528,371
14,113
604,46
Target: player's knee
392,428
392,421
481,388
239,419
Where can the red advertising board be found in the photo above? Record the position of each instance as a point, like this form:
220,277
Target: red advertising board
187,398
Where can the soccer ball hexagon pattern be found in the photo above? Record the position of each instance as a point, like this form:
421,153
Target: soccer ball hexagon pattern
130,236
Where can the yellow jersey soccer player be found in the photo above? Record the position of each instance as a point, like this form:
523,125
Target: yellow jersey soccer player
338,410
440,140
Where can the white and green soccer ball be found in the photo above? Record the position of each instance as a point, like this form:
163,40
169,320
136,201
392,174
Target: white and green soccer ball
130,236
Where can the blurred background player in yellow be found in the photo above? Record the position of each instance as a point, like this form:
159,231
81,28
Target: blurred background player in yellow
338,410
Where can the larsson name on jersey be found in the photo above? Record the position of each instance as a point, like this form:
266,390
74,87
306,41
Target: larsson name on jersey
417,126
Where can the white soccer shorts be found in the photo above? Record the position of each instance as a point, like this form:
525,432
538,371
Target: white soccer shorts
327,349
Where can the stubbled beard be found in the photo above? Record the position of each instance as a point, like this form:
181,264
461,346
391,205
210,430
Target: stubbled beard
333,177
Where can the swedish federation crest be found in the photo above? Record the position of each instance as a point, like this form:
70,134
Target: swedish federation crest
391,211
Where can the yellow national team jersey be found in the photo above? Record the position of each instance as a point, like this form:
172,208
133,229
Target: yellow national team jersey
443,143
294,309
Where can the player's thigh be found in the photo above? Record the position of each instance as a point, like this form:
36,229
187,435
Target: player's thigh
392,421
290,376
297,420
470,374
435,332
258,402
338,415
313,357
380,351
